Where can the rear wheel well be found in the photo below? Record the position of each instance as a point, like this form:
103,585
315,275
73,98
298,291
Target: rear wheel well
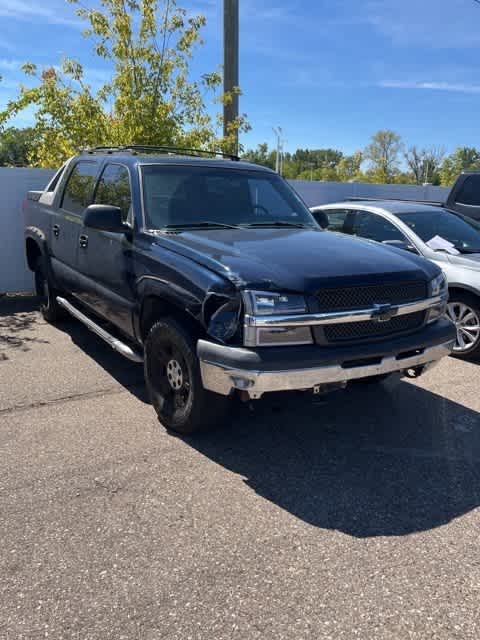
33,252
154,308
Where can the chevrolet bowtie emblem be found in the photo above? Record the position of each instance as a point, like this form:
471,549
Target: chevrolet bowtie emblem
383,312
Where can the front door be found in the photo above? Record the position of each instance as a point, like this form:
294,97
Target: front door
104,258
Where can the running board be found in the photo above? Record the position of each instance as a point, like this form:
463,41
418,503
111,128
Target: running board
115,343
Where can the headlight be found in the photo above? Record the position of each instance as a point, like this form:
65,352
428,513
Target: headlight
265,303
438,285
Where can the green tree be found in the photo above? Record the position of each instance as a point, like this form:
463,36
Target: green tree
461,159
383,153
17,146
349,167
150,98
425,163
260,155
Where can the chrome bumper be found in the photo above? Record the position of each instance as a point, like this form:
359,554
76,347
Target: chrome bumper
223,379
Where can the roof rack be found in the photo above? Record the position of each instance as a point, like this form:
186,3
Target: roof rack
144,148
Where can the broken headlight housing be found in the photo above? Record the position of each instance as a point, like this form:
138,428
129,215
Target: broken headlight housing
438,287
266,303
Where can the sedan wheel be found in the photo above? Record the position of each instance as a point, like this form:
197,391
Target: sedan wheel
466,319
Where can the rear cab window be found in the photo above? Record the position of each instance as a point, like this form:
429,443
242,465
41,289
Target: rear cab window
469,192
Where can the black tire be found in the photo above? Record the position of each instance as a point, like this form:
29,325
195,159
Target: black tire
471,302
172,376
47,294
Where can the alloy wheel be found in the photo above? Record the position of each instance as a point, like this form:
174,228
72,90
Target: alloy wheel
467,323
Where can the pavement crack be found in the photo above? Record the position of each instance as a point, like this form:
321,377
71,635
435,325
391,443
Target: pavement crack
63,399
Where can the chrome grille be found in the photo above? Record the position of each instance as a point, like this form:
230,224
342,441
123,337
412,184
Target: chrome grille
353,331
360,297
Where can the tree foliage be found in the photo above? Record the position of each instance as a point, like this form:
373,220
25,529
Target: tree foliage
17,146
383,154
462,159
150,97
425,163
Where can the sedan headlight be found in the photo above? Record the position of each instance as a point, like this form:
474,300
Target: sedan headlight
266,303
438,287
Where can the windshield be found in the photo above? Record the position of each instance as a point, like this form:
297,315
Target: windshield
188,196
462,232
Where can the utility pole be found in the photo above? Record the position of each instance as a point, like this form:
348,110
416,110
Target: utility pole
230,64
278,132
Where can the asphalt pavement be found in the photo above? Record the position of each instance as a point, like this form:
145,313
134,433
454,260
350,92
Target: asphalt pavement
352,516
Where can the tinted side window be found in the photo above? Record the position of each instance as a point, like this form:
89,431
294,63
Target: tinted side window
336,220
114,188
79,187
469,192
374,227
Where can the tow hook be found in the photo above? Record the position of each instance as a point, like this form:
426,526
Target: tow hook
415,372
321,389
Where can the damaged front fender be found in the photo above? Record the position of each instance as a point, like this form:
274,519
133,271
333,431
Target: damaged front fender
222,317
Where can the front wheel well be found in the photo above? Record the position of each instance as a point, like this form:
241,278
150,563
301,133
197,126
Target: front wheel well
460,291
154,308
33,252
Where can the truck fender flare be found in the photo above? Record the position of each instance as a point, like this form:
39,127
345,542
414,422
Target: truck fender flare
171,294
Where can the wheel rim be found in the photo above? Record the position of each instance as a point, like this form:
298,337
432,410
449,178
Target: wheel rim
169,377
467,323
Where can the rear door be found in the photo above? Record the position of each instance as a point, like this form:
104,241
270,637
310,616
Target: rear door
105,258
66,222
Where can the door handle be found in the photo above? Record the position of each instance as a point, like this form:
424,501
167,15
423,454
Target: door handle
56,230
83,241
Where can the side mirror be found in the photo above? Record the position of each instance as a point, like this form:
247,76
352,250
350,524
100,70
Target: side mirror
104,217
400,244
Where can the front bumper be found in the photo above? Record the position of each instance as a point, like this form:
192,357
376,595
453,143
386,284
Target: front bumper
258,371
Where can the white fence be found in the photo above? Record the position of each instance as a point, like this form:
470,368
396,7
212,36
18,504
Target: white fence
14,184
324,192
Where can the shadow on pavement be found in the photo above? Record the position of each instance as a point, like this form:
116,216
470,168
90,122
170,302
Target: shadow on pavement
386,460
17,319
128,374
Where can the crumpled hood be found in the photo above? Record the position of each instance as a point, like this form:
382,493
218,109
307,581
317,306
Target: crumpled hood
296,259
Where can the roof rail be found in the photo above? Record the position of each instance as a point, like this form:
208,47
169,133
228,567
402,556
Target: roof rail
434,203
169,150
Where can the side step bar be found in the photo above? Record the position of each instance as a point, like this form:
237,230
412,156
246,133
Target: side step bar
115,343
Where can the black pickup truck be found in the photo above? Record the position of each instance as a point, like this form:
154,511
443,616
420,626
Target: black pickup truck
464,196
213,272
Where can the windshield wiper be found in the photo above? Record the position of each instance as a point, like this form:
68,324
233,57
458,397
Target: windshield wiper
204,224
279,223
461,250
467,251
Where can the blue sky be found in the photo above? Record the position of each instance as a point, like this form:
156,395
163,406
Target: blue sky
330,73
